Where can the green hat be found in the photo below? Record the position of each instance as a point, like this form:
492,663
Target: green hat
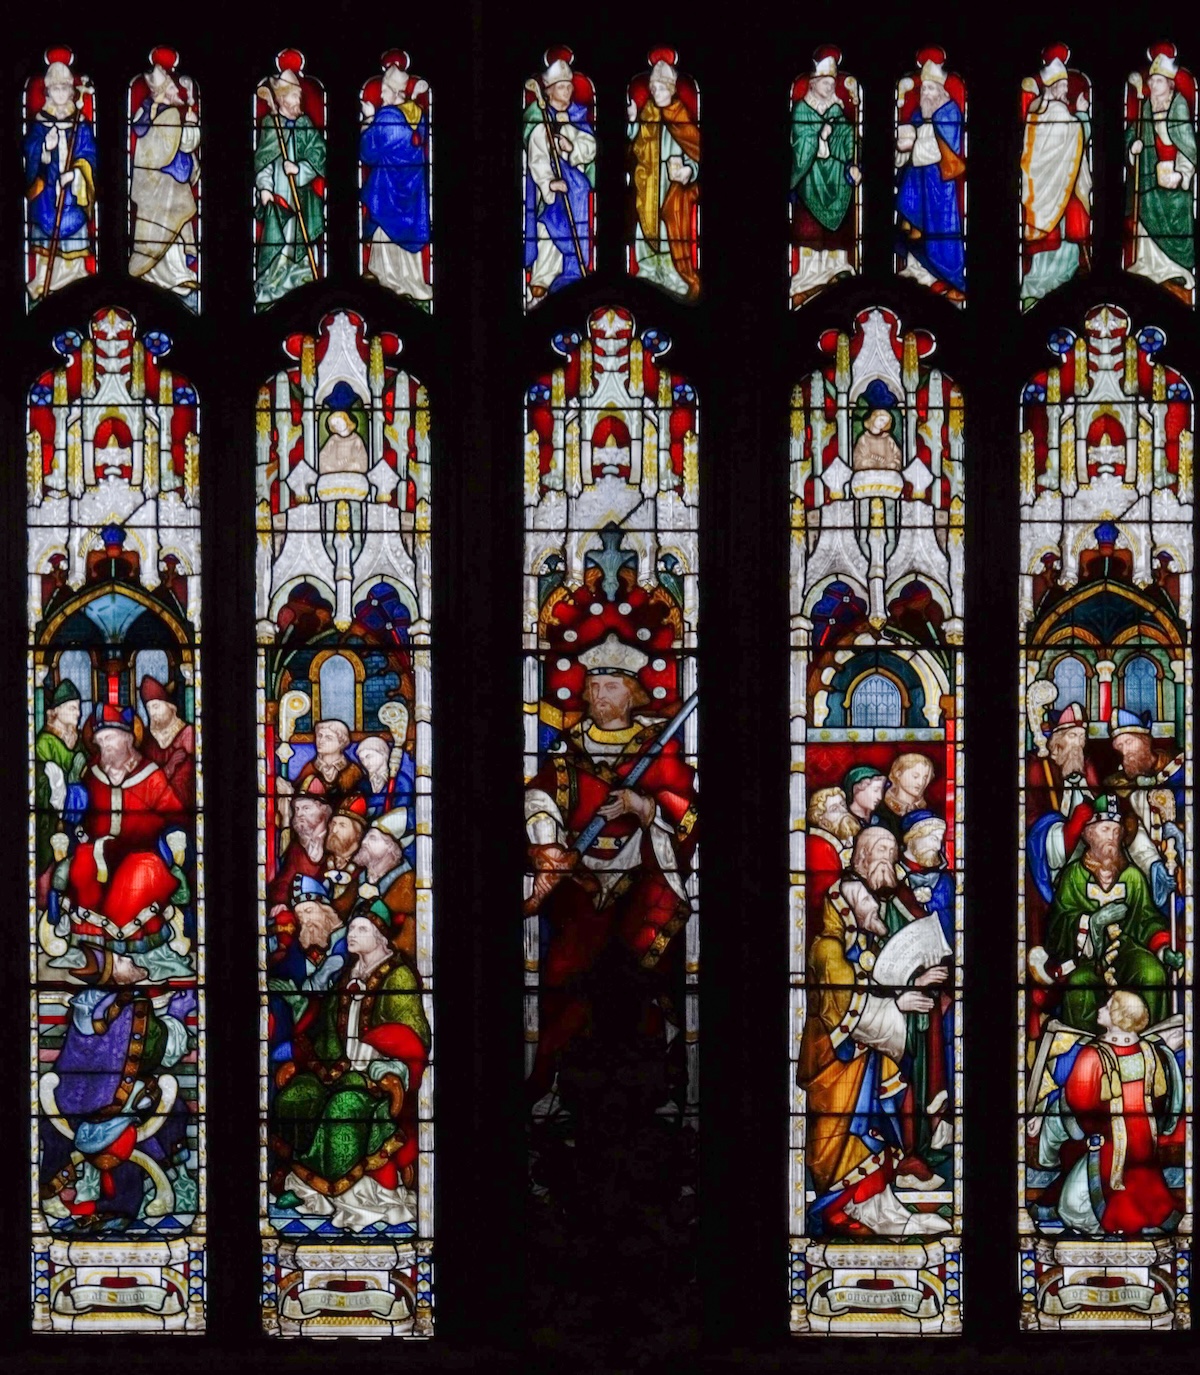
66,691
858,774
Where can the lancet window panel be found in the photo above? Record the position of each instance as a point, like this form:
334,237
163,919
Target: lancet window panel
395,153
343,598
930,154
1056,176
116,863
610,637
559,151
1160,173
290,153
1106,920
876,844
662,176
61,177
826,185
164,178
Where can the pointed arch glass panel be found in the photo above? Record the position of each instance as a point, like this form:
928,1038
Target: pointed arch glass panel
1056,176
1104,1034
931,177
1160,173
61,182
876,846
117,836
289,180
164,178
558,151
395,152
826,185
346,917
662,177
610,635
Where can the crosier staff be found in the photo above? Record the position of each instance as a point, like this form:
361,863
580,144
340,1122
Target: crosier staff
266,93
556,165
587,837
83,89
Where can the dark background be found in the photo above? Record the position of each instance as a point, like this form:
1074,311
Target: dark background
501,1303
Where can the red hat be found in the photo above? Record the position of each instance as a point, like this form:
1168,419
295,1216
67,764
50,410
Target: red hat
153,691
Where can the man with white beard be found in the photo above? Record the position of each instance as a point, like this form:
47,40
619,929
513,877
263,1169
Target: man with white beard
930,164
1103,929
1161,147
1056,181
164,178
855,1036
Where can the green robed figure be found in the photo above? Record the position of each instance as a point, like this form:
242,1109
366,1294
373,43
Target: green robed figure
1105,931
289,175
1161,147
824,179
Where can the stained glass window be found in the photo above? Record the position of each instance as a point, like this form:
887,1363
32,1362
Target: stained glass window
117,901
663,176
345,843
1105,1029
931,177
558,142
610,639
826,196
876,836
164,178
1056,176
60,177
289,180
394,167
1160,173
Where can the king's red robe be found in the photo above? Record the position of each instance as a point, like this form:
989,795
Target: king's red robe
642,910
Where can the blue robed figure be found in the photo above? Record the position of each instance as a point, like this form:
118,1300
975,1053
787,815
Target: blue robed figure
929,150
394,152
552,260
60,161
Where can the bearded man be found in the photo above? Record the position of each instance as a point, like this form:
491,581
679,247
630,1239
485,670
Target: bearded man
623,900
1056,184
172,741
344,1125
1161,147
383,875
60,185
930,164
289,180
828,841
908,779
116,884
393,149
164,181
305,851
855,1036
60,762
824,177
1103,929
1147,768
664,168
340,776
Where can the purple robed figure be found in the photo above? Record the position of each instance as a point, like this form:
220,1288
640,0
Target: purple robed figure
111,1084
